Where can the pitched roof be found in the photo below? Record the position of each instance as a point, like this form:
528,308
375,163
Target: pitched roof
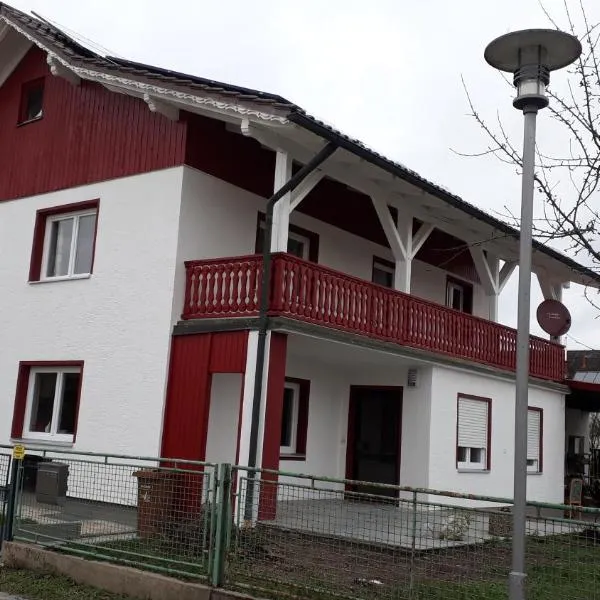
49,36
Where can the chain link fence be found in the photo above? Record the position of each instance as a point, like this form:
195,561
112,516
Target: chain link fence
147,512
279,534
323,538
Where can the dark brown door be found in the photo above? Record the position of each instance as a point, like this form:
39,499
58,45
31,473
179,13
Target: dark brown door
374,437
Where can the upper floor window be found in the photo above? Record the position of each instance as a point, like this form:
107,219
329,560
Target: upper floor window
32,101
294,419
64,242
383,272
47,401
301,242
473,433
459,295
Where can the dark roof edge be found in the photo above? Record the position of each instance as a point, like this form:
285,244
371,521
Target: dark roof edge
331,135
202,80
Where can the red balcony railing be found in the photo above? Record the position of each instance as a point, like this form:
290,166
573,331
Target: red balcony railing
230,287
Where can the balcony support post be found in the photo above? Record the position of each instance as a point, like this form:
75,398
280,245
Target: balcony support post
493,279
281,210
263,315
403,243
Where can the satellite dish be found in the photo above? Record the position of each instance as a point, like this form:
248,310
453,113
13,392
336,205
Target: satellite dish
554,317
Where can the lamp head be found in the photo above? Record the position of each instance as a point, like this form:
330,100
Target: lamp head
530,55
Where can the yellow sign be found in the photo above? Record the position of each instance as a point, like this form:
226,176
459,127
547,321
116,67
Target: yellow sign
19,452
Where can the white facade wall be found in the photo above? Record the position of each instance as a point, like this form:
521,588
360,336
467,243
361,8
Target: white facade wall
328,417
118,321
223,417
443,474
219,220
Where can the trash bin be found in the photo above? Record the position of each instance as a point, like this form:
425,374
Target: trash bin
51,483
157,491
165,499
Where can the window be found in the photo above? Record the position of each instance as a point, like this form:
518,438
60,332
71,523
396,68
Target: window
294,419
473,433
383,272
459,295
301,242
534,440
64,242
47,401
32,100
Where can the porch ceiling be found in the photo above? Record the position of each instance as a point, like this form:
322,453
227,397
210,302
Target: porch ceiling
341,355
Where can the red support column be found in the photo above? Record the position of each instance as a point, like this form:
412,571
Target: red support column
272,426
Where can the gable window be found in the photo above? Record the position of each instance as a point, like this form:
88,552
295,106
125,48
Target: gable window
64,242
47,401
473,433
301,243
32,101
294,419
534,440
383,272
459,295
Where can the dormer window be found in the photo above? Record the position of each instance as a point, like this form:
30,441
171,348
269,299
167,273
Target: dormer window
32,101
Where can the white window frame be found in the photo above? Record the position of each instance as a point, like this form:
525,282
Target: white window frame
535,467
450,287
294,236
303,240
467,465
52,435
293,447
72,251
380,266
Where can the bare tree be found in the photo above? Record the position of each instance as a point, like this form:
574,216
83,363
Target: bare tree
568,182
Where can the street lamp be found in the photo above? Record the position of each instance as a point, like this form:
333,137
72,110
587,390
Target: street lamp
530,55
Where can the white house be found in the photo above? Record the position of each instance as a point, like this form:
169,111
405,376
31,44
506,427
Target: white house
132,217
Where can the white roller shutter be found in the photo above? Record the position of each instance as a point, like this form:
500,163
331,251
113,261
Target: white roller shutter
533,435
472,423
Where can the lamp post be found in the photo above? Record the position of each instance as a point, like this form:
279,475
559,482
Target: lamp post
530,55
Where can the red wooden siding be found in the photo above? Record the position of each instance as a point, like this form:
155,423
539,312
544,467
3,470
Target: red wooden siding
229,156
308,292
86,134
194,358
228,352
272,427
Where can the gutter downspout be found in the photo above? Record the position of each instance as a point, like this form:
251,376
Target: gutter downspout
263,313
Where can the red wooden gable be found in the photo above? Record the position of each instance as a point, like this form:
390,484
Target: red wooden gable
86,134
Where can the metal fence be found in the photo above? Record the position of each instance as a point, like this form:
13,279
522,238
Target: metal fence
323,538
280,534
147,512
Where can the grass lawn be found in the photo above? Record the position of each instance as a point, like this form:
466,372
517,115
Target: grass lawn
35,586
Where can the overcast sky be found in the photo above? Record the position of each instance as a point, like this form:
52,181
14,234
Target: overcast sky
386,71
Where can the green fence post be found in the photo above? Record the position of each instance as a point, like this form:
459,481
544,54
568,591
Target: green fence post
8,529
222,508
413,544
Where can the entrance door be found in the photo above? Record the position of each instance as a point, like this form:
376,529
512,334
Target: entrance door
374,437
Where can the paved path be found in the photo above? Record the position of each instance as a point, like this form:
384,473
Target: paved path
4,596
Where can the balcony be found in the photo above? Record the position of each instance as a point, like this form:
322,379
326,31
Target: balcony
230,287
